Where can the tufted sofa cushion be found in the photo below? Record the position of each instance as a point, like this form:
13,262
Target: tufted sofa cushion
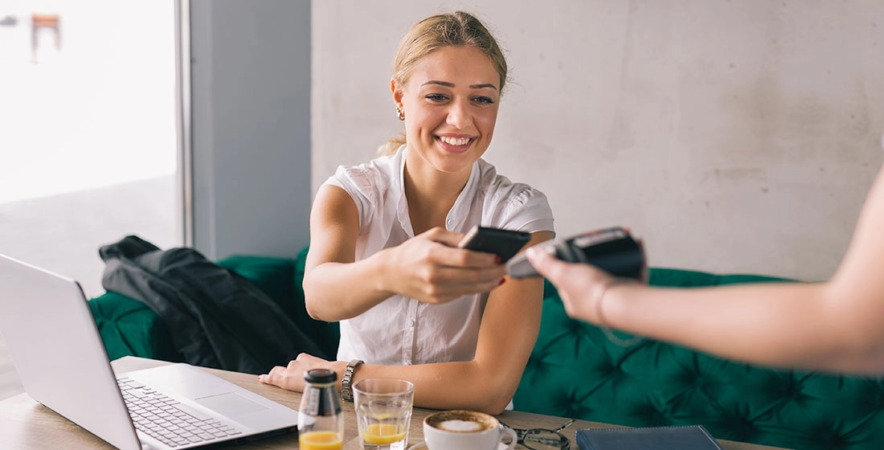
576,371
129,327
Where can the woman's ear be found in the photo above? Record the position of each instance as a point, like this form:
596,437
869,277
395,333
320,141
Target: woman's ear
396,88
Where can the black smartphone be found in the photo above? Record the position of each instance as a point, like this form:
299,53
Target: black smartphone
503,243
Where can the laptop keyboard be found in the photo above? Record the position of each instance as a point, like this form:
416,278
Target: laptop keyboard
169,421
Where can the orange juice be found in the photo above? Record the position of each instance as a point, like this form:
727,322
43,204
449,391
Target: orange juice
382,433
320,440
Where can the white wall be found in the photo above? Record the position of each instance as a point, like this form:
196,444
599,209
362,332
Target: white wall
734,136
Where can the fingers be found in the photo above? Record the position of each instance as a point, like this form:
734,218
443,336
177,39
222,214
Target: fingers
457,257
566,275
443,236
450,284
547,265
464,275
275,377
473,287
449,252
291,377
575,282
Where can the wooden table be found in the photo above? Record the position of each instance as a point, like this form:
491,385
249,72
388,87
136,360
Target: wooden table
25,424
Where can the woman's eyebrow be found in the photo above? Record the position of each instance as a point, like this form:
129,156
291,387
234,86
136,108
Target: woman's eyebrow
451,85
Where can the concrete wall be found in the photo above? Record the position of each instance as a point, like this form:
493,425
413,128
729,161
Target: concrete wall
734,136
251,126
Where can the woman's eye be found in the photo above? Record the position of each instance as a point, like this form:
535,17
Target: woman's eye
483,100
436,97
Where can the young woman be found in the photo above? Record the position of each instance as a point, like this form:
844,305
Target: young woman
383,252
834,326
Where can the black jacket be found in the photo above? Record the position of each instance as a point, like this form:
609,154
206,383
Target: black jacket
216,318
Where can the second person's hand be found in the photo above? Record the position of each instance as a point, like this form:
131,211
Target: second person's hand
578,284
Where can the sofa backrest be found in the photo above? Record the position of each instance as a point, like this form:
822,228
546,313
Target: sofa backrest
576,371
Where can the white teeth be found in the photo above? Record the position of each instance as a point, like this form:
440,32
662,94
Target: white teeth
454,141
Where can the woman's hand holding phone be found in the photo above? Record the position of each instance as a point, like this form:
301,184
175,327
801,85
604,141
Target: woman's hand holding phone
432,269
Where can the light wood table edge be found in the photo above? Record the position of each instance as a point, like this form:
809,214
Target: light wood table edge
26,424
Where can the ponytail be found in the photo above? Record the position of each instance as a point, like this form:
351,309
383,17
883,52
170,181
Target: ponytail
391,146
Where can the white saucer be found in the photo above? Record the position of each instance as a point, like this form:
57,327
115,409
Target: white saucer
423,445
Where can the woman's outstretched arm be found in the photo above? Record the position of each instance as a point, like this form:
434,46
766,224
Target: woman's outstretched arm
428,267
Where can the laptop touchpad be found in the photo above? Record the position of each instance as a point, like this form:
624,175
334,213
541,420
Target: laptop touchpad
230,404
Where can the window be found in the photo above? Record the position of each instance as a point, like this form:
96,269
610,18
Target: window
92,156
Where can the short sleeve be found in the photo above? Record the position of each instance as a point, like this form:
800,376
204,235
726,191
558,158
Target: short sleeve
527,209
357,183
515,206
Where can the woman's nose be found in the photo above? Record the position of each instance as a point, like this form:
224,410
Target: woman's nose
459,114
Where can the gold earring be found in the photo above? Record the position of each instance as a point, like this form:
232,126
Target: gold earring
400,114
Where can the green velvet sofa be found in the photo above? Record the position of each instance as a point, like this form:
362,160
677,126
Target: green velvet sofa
575,371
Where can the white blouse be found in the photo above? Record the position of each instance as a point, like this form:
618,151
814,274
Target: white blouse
401,330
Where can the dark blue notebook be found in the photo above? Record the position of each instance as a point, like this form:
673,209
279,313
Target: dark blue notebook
691,437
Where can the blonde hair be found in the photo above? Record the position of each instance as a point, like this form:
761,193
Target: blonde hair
458,29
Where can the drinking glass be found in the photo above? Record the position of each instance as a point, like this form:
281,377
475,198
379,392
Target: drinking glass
383,412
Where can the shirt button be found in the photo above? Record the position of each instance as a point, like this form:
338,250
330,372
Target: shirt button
411,324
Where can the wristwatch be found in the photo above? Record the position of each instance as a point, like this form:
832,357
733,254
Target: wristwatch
346,392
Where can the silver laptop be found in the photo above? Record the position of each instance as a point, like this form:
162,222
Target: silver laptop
62,363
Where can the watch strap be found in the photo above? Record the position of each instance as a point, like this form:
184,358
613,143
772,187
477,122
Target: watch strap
346,390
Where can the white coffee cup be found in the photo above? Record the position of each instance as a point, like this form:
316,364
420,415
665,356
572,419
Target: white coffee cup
466,430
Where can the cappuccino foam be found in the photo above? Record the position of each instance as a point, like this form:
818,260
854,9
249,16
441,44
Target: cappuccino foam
460,425
461,421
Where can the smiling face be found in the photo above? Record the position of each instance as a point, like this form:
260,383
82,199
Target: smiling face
450,102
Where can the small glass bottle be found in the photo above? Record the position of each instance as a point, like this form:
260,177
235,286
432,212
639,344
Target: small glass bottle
320,420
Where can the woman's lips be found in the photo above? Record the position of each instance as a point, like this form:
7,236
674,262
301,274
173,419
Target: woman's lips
454,144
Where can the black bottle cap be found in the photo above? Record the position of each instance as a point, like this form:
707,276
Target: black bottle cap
320,376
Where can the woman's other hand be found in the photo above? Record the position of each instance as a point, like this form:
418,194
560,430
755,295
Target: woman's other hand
291,377
431,269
